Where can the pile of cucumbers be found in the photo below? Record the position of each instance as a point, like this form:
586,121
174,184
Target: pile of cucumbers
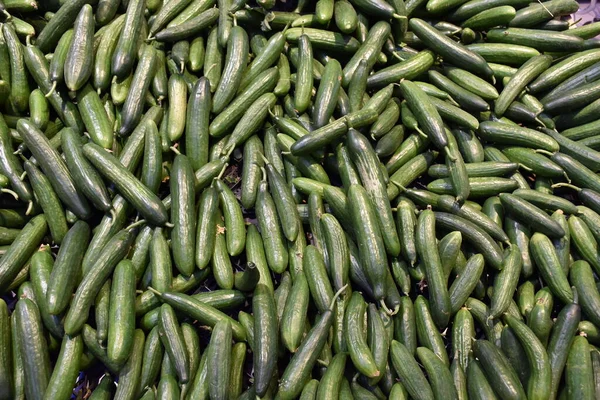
332,199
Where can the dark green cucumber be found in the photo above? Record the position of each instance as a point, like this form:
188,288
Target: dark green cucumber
367,164
361,355
450,50
467,99
561,338
546,201
79,61
266,337
498,370
172,340
67,268
425,234
506,282
6,356
425,112
131,113
535,161
541,40
19,86
538,385
531,69
371,247
427,332
183,215
235,63
197,124
66,368
475,235
129,374
51,206
125,52
54,168
33,349
121,324
539,13
21,250
516,136
298,370
130,187
97,273
409,371
534,216
439,374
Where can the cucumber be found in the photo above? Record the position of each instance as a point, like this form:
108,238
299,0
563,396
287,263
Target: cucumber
531,69
21,250
463,338
323,39
465,98
6,357
450,50
506,281
546,201
266,337
408,69
235,64
129,374
427,332
61,21
121,324
19,86
270,226
538,39
537,13
101,75
579,373
368,51
538,385
563,70
33,348
188,29
219,354
577,171
97,273
131,112
516,136
465,283
475,235
426,114
478,386
183,215
367,164
371,247
51,206
504,53
478,187
54,167
498,370
580,152
409,371
441,305
442,382
490,18
298,371
535,161
130,187
361,355
66,368
79,62
534,216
